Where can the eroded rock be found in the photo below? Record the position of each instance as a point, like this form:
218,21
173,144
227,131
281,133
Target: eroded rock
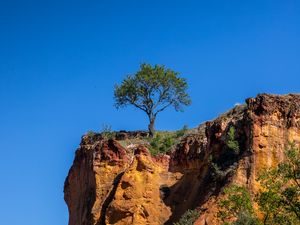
110,184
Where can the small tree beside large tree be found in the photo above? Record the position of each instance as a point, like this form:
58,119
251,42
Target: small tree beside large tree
153,89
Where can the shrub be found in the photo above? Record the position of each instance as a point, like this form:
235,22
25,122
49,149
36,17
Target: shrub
231,142
107,132
188,218
237,200
246,218
219,173
90,134
182,131
161,143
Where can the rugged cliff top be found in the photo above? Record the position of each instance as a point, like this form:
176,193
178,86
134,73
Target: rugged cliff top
117,181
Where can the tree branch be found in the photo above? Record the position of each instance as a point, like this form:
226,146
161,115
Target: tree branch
163,108
161,97
141,107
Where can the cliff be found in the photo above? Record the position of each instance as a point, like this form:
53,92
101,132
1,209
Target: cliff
110,183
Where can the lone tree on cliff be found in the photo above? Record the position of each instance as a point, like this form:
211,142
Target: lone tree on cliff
152,90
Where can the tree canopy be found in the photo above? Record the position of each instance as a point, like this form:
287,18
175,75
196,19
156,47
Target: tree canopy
278,200
153,89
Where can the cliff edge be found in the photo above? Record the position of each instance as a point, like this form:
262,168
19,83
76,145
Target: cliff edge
114,183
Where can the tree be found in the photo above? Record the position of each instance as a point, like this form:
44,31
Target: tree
280,199
236,204
152,89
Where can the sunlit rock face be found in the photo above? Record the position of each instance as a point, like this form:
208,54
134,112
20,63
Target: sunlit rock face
275,123
91,180
271,122
112,184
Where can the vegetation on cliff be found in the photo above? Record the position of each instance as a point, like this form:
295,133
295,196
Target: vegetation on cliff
161,143
164,141
237,206
153,89
188,218
231,141
278,201
126,183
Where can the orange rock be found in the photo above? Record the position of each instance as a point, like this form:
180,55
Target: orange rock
109,184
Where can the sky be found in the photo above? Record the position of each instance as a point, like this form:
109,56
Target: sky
60,60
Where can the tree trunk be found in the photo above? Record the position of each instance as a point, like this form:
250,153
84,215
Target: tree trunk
151,126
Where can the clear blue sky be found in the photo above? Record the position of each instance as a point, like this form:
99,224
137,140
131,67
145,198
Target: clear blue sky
59,61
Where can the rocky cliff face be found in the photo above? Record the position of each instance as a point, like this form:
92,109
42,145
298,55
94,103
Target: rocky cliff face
111,184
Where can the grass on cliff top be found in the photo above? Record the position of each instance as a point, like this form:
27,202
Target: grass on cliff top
162,142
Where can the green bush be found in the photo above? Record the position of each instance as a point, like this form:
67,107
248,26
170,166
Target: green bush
231,142
182,131
107,131
161,143
217,173
188,218
90,134
237,200
246,218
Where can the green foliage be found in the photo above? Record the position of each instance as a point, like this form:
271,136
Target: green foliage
152,89
231,142
90,134
188,218
107,131
237,201
218,173
182,132
161,143
280,200
246,218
